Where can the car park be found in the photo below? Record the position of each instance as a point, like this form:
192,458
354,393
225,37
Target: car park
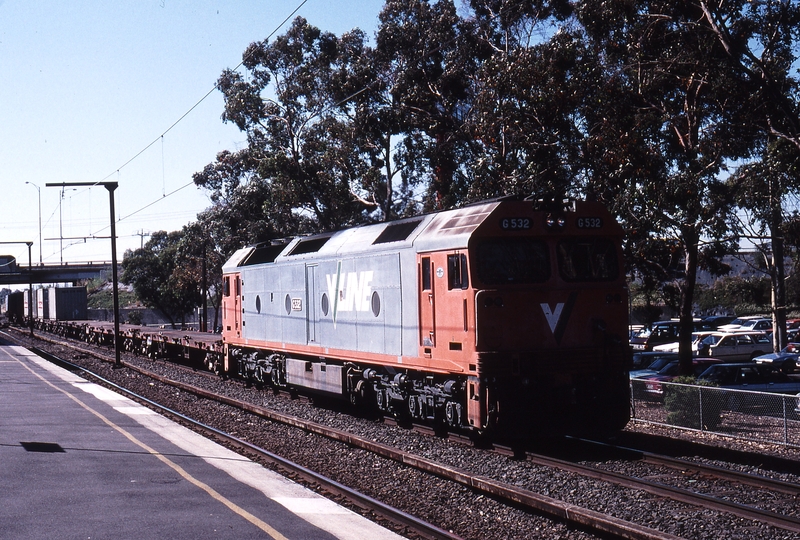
786,360
653,384
734,346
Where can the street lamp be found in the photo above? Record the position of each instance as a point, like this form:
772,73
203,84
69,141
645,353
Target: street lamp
39,190
110,186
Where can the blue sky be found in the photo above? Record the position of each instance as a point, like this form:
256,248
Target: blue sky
87,86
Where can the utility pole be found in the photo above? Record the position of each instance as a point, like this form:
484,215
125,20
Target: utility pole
110,186
141,234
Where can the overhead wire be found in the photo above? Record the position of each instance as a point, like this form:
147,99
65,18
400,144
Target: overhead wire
179,120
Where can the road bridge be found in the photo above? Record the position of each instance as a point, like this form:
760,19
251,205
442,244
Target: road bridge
18,274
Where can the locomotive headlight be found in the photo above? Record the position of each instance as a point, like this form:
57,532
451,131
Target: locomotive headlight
554,222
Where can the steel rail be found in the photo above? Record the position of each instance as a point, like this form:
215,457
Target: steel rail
780,521
749,479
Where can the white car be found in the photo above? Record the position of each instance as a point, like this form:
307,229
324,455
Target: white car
751,323
735,346
674,347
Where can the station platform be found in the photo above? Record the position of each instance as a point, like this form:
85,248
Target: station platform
82,462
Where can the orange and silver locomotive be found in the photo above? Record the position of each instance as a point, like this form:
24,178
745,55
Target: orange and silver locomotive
507,317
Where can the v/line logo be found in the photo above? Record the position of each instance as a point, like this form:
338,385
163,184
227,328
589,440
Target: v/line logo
349,292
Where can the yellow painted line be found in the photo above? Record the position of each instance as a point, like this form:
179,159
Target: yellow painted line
177,468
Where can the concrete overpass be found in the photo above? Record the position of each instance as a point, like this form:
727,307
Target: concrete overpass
19,274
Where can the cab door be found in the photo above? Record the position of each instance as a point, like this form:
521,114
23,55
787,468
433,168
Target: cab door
445,305
232,306
427,306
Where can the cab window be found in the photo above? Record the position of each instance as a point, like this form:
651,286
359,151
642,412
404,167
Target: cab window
457,275
587,259
512,260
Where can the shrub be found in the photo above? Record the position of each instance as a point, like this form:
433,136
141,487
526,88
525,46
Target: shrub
682,403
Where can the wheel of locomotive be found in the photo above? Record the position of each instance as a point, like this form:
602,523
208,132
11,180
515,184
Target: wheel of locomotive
359,395
452,411
381,400
413,407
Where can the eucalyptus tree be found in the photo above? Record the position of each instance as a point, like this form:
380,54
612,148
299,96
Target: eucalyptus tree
675,78
153,270
424,51
530,83
761,40
761,188
300,144
199,264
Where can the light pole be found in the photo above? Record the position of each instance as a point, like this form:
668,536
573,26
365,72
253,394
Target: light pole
110,186
39,191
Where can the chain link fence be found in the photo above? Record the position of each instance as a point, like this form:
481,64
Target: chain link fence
758,416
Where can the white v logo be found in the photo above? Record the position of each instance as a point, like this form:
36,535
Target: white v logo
552,316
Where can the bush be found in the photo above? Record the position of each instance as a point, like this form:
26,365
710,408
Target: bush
135,317
682,403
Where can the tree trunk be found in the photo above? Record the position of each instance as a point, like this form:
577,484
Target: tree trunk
778,286
690,239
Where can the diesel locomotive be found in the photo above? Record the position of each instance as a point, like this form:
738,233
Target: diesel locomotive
507,317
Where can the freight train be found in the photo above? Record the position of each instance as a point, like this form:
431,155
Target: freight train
507,317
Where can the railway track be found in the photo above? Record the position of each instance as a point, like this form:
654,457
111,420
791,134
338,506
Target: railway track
591,521
710,475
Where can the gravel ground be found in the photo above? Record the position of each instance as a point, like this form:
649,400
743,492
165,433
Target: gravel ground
451,507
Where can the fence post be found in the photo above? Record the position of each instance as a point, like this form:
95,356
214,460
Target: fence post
633,400
785,422
700,401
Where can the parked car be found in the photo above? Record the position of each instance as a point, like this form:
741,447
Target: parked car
697,337
715,321
750,377
659,362
653,386
786,360
660,333
643,359
734,346
751,322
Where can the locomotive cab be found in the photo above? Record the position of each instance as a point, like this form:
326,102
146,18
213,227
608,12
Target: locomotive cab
534,313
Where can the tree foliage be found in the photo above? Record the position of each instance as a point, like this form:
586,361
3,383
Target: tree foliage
159,277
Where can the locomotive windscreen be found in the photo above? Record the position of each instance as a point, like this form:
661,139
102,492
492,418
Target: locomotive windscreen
587,259
512,260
